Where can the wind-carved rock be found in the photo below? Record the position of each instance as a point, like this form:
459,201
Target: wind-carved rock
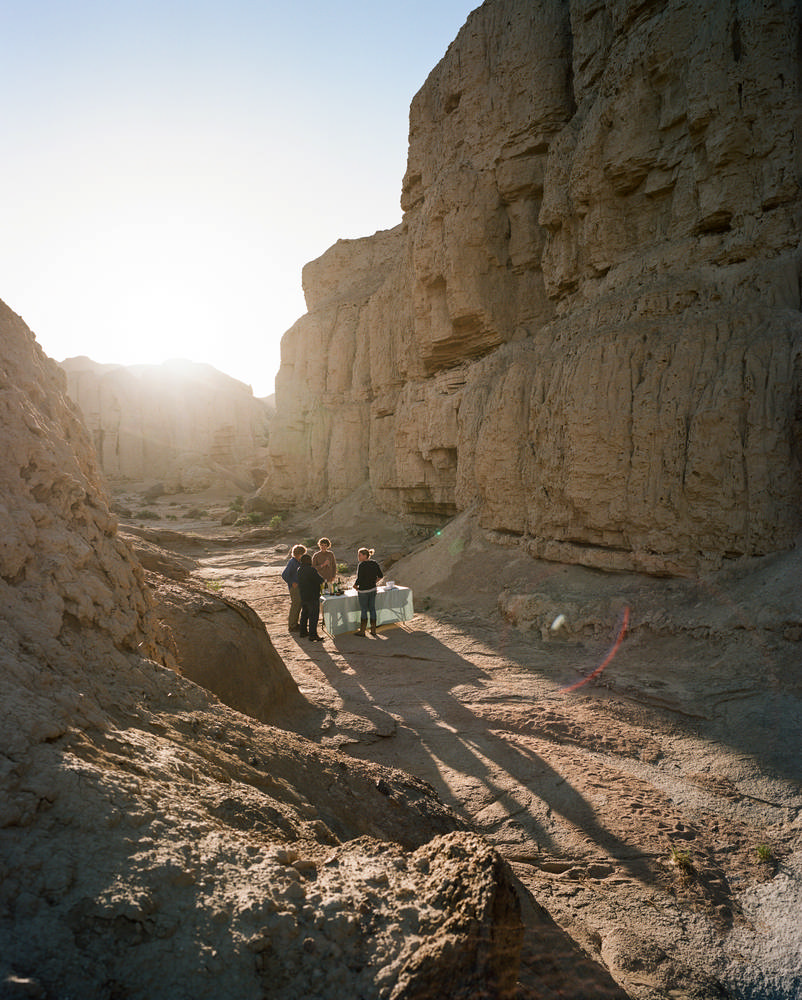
184,424
587,326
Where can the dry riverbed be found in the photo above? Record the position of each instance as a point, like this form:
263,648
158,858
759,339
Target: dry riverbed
638,766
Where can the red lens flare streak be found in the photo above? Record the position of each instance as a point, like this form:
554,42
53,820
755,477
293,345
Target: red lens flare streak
613,650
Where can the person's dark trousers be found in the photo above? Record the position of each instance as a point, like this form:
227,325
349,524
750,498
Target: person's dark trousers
310,616
367,606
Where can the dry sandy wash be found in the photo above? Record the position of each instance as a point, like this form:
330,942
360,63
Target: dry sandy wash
652,808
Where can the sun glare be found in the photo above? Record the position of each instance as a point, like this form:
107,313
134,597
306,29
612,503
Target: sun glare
160,203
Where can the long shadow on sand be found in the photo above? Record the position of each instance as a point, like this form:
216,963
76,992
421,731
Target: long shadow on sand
410,675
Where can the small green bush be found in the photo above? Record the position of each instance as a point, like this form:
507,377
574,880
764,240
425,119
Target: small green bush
255,517
764,853
681,860
276,521
148,515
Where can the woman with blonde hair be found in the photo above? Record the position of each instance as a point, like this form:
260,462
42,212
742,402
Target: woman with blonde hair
368,574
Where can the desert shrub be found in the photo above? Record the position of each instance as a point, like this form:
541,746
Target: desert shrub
246,520
681,860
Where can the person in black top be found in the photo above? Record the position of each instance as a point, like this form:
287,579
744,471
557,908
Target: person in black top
368,574
309,583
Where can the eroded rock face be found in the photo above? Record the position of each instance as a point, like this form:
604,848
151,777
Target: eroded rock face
154,842
587,326
185,425
62,566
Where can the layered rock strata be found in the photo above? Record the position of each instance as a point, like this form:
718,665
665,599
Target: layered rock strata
587,326
185,425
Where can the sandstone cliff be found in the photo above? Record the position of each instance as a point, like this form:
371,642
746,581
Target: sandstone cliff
156,843
587,327
183,424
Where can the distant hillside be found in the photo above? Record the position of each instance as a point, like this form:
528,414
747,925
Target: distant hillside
184,424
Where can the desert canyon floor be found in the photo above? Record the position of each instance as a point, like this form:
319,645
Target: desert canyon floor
653,809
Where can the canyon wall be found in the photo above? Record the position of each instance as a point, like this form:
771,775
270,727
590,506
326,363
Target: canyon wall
63,567
183,424
155,843
587,326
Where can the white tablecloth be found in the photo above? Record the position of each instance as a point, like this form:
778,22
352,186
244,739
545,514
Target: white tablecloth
341,613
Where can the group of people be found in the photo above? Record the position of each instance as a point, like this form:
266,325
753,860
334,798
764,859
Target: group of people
305,574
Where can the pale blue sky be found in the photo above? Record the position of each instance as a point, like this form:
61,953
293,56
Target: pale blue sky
169,167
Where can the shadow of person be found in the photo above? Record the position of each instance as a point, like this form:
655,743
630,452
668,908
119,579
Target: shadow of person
496,780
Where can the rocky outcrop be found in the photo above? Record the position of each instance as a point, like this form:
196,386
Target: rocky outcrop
185,425
63,568
154,842
221,644
587,327
216,641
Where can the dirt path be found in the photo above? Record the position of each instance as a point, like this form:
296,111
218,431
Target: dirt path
634,807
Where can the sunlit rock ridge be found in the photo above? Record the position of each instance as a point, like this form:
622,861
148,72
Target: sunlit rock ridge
587,325
184,424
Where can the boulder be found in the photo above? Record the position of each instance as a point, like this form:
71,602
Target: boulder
222,644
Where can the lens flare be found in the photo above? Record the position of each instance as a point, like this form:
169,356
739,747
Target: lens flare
610,654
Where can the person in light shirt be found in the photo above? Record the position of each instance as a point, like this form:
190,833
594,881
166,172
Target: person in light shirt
324,561
368,574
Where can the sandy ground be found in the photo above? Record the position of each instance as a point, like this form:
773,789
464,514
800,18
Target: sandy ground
638,767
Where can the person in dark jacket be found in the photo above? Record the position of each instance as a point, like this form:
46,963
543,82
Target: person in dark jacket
309,583
290,576
368,574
